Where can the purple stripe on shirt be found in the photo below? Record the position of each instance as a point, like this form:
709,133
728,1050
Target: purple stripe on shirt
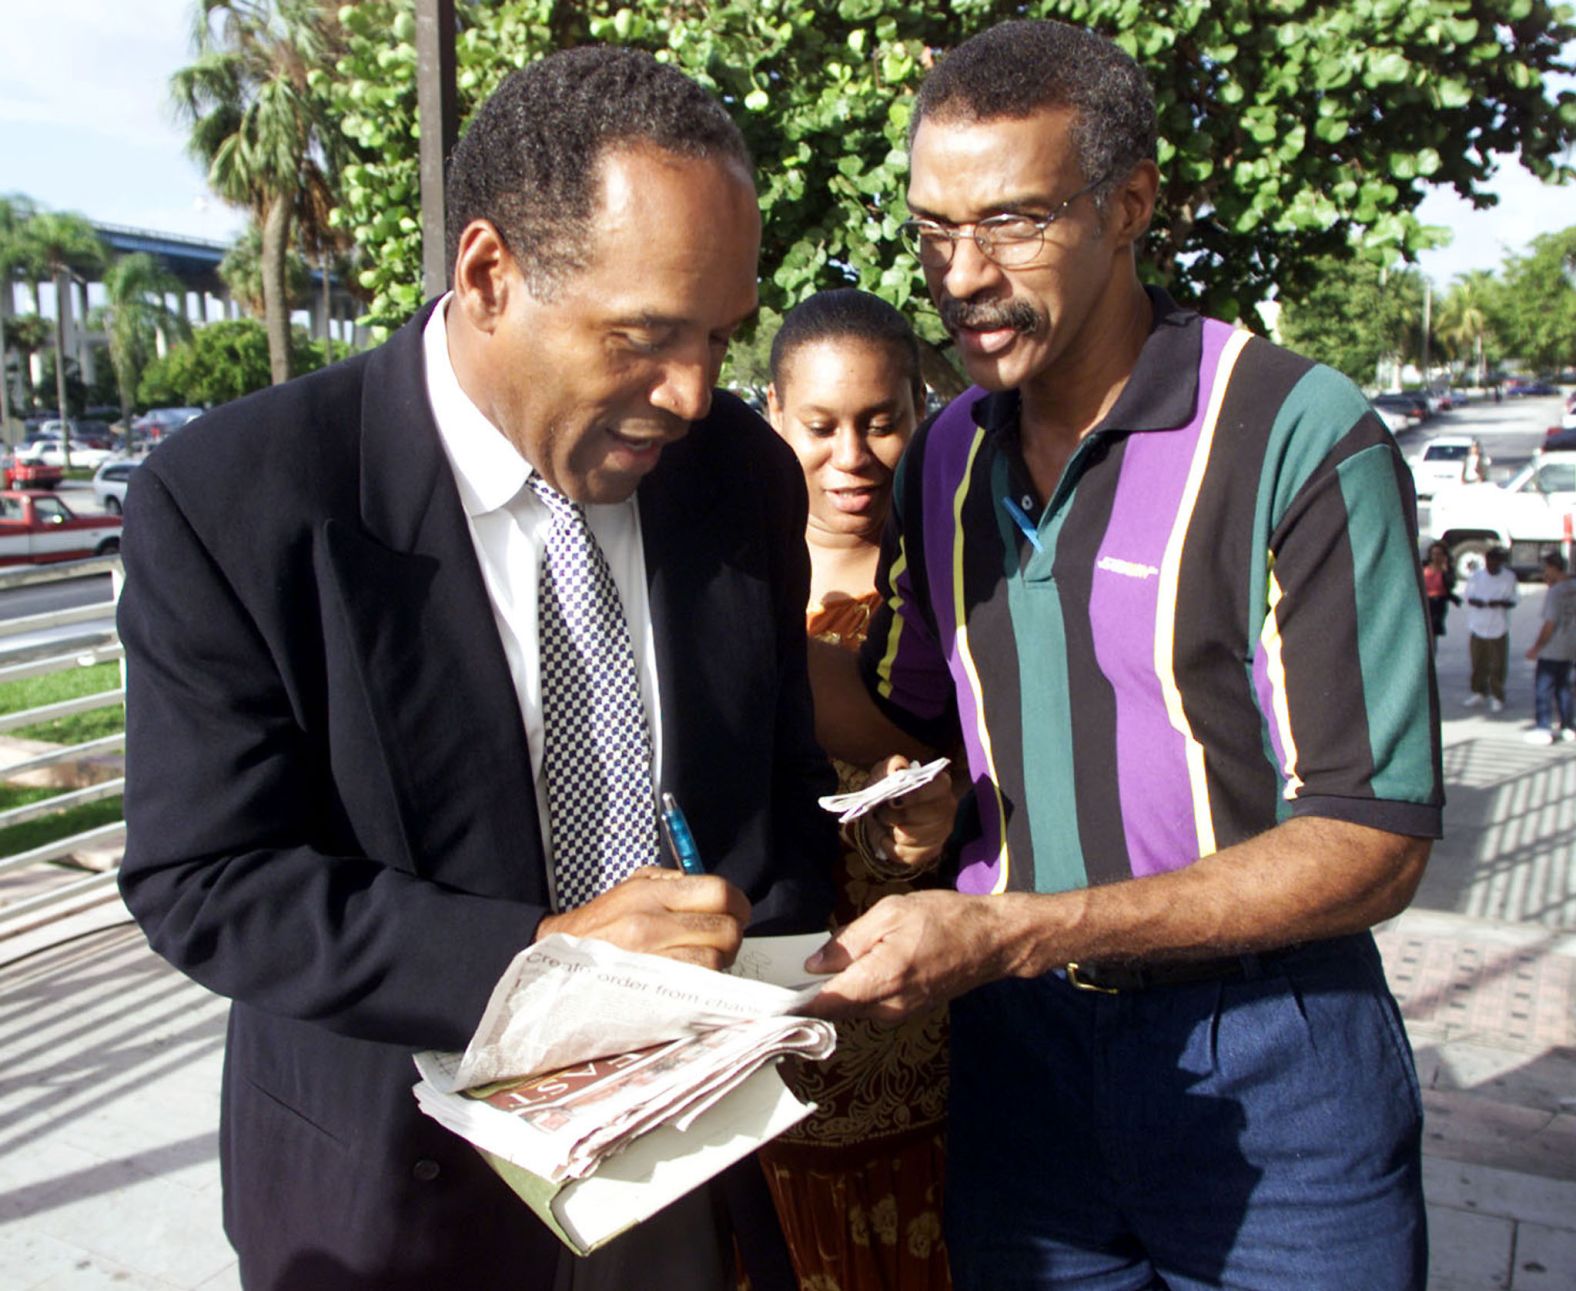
951,439
1153,785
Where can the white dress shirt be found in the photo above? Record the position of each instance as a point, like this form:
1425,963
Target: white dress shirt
509,526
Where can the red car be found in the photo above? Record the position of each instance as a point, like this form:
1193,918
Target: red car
36,527
19,473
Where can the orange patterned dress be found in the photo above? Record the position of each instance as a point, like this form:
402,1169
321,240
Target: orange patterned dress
858,1183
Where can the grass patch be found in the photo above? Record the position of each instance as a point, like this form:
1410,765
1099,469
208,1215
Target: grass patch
68,683
47,829
51,688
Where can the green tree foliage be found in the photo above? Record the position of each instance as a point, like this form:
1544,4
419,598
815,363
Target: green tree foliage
1356,317
14,212
241,271
1462,325
259,128
133,317
221,361
60,246
1534,311
45,392
27,333
1291,130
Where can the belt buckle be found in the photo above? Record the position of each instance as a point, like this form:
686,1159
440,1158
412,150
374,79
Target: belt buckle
1083,984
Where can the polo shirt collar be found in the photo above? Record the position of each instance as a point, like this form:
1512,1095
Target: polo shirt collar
1162,392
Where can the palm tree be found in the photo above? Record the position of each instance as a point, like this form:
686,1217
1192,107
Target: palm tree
15,211
241,271
1463,317
61,246
133,316
325,243
25,336
257,126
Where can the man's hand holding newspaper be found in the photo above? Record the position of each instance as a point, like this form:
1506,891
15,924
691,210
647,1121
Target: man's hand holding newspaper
585,1048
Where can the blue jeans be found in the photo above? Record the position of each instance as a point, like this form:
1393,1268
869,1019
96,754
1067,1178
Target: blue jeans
1261,1133
1551,692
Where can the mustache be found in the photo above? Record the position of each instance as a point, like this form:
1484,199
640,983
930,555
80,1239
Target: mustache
989,315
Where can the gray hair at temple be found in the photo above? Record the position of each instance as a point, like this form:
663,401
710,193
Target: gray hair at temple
1018,68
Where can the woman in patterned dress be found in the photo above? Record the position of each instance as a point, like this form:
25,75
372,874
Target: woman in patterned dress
858,1184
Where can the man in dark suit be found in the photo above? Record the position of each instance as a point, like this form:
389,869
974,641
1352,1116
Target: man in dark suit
337,807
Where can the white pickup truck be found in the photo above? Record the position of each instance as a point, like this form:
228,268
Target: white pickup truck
1532,512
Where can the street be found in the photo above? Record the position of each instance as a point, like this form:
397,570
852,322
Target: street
1510,432
45,598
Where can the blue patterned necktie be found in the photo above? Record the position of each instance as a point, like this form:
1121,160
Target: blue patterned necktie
597,750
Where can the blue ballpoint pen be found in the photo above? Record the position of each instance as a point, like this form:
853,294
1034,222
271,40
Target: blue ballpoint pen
680,841
1021,519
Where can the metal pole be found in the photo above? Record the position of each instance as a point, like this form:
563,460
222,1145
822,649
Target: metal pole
1428,325
437,110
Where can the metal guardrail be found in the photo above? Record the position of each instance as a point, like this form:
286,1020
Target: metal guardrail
27,575
41,890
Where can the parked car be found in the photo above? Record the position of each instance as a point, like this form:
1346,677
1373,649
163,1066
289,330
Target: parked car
37,527
34,420
51,451
95,434
1559,439
1522,387
1411,404
19,473
1395,419
110,481
1445,461
1526,516
156,423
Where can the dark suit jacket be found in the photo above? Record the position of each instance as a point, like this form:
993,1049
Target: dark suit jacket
329,796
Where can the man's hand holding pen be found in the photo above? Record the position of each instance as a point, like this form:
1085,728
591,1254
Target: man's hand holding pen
683,914
698,918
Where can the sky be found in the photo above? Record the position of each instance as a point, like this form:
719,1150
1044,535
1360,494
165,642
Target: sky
86,126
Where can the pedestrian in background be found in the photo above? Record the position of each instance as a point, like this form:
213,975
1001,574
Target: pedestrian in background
1491,595
1476,469
1554,650
1439,585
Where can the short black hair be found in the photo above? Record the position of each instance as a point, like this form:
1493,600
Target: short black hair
1554,560
846,313
530,159
1015,69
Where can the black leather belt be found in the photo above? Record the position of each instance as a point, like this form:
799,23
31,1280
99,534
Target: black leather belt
1115,978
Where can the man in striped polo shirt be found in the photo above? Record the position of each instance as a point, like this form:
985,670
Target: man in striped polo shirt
1157,578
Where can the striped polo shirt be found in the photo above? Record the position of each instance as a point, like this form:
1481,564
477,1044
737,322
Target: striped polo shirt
1217,622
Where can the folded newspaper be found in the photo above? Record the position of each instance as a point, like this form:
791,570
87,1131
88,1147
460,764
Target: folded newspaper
603,1084
850,806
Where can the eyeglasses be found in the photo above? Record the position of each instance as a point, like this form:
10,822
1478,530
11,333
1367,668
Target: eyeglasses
1009,240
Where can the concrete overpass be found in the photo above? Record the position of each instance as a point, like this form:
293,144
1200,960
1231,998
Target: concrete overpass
194,262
